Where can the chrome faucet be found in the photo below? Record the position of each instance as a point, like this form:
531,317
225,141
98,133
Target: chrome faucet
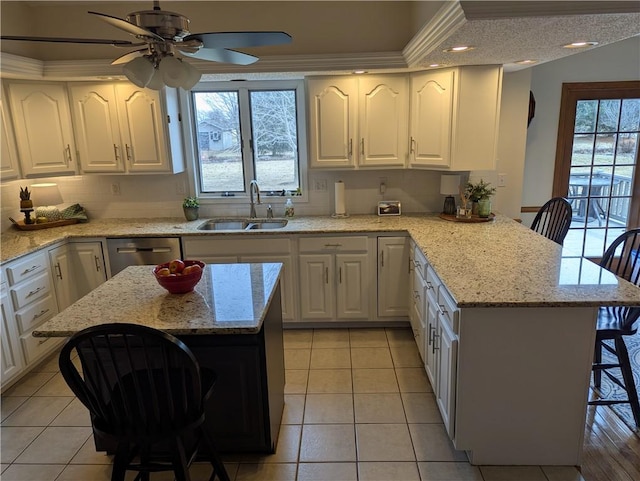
253,187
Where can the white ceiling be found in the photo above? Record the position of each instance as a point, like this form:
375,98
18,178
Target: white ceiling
337,35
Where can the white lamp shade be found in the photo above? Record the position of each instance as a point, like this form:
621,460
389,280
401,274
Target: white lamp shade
46,194
139,71
449,184
156,82
193,76
173,71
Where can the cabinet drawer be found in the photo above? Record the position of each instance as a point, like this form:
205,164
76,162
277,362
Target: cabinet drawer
433,281
420,262
448,309
36,313
29,291
332,244
26,268
197,248
36,347
419,293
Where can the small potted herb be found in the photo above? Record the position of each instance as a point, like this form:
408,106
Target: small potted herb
190,206
480,194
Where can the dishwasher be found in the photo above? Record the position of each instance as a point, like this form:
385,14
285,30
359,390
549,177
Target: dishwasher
141,251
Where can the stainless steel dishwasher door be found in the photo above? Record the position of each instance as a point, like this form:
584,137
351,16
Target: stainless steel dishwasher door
142,251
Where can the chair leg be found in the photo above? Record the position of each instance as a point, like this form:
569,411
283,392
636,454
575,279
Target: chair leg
180,465
627,376
120,462
597,359
216,461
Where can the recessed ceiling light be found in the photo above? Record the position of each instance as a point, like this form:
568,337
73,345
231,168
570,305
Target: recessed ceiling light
434,65
525,62
460,48
359,72
580,44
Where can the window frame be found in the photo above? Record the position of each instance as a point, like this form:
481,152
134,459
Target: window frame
244,88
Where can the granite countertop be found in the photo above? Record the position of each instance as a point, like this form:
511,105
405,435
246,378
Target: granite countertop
229,299
494,264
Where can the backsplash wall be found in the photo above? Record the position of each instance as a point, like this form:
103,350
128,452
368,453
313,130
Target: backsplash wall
154,196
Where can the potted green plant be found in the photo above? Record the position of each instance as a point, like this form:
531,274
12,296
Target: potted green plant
190,206
480,195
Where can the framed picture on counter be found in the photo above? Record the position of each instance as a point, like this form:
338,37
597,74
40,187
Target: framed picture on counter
389,207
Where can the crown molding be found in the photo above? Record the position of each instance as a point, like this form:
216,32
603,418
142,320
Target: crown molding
15,66
432,34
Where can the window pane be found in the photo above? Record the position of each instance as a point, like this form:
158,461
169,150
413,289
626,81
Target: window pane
630,115
608,115
275,139
582,149
626,149
586,116
219,141
605,146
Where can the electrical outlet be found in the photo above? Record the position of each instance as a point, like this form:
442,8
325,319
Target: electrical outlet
502,180
115,188
320,185
382,188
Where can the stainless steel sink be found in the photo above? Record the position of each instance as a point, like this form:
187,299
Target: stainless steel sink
243,224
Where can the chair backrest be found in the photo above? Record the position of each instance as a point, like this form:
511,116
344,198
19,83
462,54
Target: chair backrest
136,381
623,259
553,219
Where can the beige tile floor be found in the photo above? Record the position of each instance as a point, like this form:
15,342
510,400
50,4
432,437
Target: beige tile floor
358,408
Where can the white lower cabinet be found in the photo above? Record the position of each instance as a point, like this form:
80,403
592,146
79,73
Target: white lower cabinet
334,278
78,268
11,357
393,276
216,250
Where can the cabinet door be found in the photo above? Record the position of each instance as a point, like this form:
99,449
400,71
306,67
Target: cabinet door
61,259
287,285
431,332
447,348
142,127
352,286
9,167
11,356
88,266
393,276
317,298
431,110
332,121
383,105
42,124
95,120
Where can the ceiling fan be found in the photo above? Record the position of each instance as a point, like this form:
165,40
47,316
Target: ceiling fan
164,37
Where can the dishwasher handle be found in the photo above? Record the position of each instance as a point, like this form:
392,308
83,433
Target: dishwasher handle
133,250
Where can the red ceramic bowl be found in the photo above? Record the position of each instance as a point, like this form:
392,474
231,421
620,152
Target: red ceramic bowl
179,283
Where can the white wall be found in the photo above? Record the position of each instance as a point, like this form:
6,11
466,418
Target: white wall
617,61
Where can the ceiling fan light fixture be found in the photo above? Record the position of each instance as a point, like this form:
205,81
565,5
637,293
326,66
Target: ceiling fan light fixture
193,76
156,82
173,71
139,71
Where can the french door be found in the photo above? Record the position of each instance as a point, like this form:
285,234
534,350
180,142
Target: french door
596,162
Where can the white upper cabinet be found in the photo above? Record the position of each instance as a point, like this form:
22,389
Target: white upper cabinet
358,121
9,167
42,125
454,118
124,128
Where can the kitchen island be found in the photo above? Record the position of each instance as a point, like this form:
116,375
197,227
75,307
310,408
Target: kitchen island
232,322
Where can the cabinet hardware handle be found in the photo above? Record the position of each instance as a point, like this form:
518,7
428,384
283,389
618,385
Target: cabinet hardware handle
31,293
443,310
382,258
128,149
340,275
350,148
429,285
434,347
97,261
30,269
412,146
416,295
333,245
416,263
68,151
115,151
40,314
326,275
432,331
40,343
59,273
362,146
410,265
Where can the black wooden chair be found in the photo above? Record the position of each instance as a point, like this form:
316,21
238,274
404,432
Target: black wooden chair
146,394
553,219
623,259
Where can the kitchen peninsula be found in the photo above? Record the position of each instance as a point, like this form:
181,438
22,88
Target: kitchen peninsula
232,322
514,315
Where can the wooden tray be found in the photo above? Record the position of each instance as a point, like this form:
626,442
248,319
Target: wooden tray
45,225
473,220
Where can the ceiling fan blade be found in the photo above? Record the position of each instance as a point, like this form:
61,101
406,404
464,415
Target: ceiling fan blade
221,55
240,39
127,57
124,43
128,26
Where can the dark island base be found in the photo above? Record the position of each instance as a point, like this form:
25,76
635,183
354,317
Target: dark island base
245,411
